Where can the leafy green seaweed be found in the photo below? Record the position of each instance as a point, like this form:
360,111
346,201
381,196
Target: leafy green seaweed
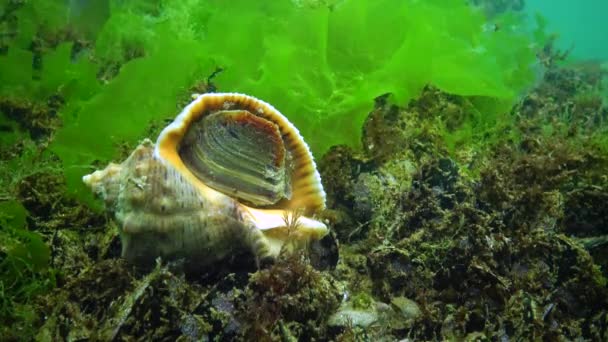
322,66
124,108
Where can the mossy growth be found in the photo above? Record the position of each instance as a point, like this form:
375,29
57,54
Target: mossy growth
33,210
503,239
290,298
24,271
109,301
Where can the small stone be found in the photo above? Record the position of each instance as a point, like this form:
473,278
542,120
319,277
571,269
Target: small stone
359,318
406,307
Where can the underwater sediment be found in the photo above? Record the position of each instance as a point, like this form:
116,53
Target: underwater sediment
455,216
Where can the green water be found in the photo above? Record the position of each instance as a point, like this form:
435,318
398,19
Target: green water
581,25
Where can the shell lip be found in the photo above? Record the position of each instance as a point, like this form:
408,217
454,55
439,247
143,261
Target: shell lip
307,191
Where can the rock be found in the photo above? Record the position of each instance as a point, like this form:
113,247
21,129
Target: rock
406,307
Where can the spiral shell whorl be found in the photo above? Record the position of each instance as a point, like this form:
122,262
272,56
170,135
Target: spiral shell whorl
161,213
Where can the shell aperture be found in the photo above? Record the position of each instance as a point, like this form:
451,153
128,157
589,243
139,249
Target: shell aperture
303,181
240,154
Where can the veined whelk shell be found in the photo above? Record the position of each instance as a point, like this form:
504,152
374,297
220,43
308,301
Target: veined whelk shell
223,176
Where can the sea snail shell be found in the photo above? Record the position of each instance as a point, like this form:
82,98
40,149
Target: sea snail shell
223,176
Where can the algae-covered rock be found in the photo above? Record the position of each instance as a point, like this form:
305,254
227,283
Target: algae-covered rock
408,309
361,310
355,317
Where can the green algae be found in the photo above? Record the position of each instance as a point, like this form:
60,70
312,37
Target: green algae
343,65
159,49
112,111
24,271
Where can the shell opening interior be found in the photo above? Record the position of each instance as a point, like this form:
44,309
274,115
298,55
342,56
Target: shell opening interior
240,154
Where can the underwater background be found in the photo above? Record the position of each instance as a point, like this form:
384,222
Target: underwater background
580,26
463,147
